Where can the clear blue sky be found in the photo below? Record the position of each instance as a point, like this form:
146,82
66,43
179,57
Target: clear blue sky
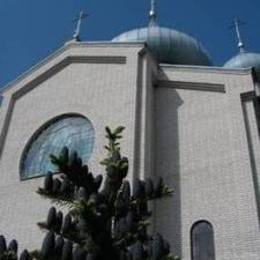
33,29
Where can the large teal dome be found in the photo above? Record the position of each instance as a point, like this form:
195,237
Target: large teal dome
245,60
168,45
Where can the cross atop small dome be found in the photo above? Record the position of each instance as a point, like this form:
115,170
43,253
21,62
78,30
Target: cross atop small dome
152,14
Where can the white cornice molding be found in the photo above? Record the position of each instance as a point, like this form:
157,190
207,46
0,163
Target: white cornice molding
106,44
203,69
64,63
196,86
80,58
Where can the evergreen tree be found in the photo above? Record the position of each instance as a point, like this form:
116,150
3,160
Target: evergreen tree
108,221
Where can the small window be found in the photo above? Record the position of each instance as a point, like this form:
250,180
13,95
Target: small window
202,241
74,131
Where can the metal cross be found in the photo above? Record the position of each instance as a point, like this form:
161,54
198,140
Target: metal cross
82,15
152,13
236,25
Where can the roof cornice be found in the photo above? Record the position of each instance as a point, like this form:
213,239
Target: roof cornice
209,69
67,46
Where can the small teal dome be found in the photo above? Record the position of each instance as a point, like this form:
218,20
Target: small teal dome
245,60
168,45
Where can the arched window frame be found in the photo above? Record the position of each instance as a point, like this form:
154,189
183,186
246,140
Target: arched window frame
37,133
195,225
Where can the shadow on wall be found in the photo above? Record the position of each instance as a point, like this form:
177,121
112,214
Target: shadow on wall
167,212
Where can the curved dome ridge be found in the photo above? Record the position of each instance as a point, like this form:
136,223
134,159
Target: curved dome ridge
168,45
245,60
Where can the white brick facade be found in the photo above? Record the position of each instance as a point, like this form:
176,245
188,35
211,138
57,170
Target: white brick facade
192,125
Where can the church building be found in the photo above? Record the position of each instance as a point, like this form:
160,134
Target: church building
192,123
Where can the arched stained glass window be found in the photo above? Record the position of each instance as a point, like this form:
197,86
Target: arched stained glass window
202,241
74,131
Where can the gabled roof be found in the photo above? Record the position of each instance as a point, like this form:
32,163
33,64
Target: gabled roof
72,52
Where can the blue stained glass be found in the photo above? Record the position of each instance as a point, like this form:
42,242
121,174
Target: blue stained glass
75,132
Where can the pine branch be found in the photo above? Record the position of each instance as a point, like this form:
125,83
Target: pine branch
72,235
111,223
59,199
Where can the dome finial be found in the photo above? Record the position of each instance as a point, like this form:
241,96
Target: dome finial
76,35
152,14
237,24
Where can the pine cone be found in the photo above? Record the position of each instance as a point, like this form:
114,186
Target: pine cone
56,185
13,246
137,250
79,253
149,187
3,246
64,155
48,182
157,247
67,251
59,220
66,224
51,217
59,243
25,255
48,246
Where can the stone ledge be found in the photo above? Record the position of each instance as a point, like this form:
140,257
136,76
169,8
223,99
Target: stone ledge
191,86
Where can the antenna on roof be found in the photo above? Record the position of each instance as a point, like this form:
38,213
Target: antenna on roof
236,26
152,14
76,35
